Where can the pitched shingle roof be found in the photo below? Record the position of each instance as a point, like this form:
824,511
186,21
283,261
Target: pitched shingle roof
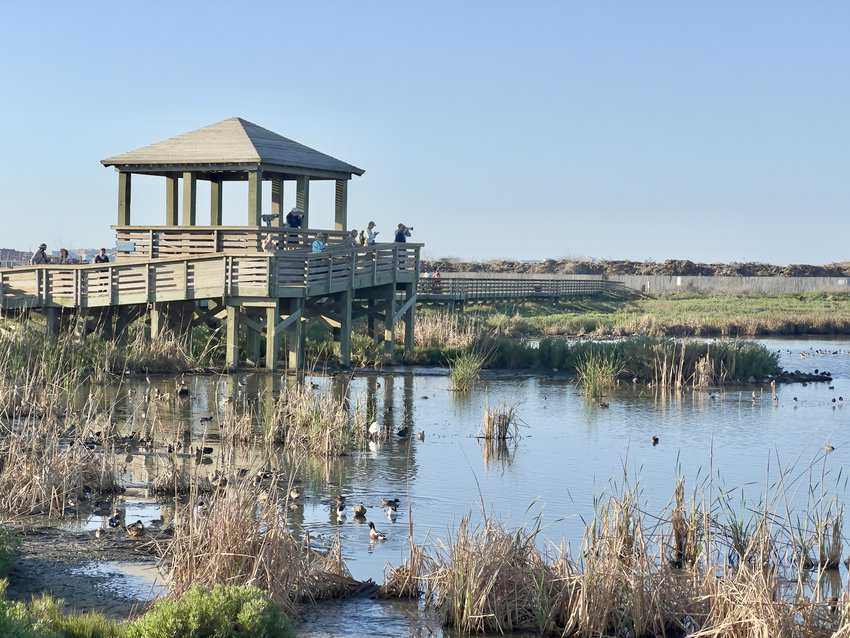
232,141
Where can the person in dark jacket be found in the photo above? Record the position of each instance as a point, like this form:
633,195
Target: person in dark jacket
402,233
40,256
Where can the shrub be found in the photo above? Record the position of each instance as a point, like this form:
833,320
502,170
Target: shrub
222,612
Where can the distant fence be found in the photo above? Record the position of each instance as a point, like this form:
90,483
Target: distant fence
665,284
468,289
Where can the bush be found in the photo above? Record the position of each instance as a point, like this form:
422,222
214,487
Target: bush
222,612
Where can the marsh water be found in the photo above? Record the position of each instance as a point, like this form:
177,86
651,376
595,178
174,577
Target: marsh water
570,451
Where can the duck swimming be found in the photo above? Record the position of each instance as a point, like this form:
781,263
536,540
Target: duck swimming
360,510
374,534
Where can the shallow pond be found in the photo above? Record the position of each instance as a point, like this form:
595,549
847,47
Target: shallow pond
570,451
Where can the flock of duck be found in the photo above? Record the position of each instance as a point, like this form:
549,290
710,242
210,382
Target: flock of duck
390,506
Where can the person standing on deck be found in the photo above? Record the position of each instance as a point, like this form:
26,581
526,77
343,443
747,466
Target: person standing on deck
101,257
65,256
40,256
351,240
402,233
320,243
269,245
371,234
294,217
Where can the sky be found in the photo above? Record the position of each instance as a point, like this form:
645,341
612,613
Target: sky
643,130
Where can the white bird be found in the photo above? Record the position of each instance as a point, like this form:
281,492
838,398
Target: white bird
374,429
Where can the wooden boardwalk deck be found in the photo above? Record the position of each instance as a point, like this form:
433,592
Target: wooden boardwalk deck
287,274
454,290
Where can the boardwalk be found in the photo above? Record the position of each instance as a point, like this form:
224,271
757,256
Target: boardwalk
180,274
459,290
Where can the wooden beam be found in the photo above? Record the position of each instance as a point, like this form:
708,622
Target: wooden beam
295,336
157,320
171,200
404,307
277,199
51,316
389,322
255,197
190,189
232,346
330,322
370,320
345,328
409,319
124,190
302,199
215,202
255,326
341,205
272,336
295,316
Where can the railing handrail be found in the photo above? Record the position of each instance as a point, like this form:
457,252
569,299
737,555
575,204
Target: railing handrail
247,273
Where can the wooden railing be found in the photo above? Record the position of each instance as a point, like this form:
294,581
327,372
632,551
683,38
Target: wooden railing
436,288
152,242
286,273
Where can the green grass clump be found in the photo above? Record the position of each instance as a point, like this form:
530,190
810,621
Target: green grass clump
597,372
220,612
466,368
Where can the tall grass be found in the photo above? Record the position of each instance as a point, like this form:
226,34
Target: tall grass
598,371
501,422
466,368
240,536
689,570
306,421
444,329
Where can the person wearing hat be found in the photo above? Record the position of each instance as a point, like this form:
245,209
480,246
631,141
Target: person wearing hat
293,218
40,256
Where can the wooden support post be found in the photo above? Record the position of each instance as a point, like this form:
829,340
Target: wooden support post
215,201
341,205
232,346
171,200
302,199
272,335
277,200
51,317
255,197
190,188
253,337
409,319
370,318
295,336
389,322
122,323
157,320
346,298
124,190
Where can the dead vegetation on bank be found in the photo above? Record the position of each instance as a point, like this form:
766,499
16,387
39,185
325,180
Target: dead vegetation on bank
696,569
239,535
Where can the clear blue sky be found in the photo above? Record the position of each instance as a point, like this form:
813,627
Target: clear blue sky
645,130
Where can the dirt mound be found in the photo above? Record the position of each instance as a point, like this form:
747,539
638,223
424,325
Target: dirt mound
671,267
